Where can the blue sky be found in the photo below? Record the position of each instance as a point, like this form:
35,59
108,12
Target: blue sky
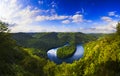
88,16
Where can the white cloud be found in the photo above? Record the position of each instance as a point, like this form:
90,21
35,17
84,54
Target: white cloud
103,28
88,21
25,19
78,12
40,2
12,12
107,19
15,14
39,28
111,13
66,22
77,18
53,4
53,17
117,16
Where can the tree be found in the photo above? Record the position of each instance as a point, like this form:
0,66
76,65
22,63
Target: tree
118,28
5,38
3,27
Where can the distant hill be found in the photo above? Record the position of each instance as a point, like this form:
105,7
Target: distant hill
48,40
51,40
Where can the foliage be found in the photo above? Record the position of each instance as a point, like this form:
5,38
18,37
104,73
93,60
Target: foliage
46,41
3,27
18,61
101,57
9,52
66,51
118,28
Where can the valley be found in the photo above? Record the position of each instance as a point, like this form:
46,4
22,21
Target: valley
42,42
33,54
59,37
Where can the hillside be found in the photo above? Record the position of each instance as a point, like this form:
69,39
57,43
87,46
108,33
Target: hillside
42,42
50,40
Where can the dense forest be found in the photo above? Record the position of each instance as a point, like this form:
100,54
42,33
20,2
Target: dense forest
40,43
20,58
62,53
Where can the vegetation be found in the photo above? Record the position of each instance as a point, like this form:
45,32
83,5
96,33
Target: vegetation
46,41
118,28
66,51
101,58
15,60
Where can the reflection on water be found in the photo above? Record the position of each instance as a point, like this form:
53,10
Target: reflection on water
52,55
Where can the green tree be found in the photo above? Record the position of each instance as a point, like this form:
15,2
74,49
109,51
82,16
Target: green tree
3,27
118,28
5,38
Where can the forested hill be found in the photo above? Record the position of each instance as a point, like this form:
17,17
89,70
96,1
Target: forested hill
50,40
42,42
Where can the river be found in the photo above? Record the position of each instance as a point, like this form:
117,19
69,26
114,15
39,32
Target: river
52,55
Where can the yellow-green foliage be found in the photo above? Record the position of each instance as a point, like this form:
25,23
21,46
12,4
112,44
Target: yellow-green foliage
66,51
101,55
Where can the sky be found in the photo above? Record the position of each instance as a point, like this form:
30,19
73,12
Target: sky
87,16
